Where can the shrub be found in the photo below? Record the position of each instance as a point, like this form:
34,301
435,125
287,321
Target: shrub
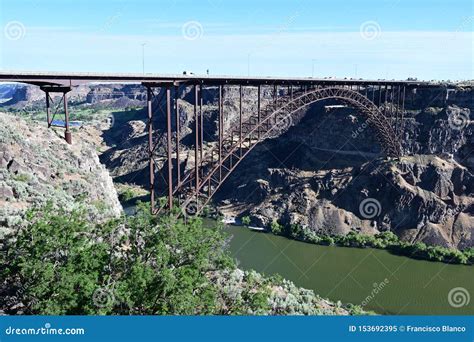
65,264
327,240
275,227
21,177
127,194
384,240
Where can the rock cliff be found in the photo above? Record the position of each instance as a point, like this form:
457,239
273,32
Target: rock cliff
38,166
319,171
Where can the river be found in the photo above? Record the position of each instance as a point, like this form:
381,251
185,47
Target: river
382,282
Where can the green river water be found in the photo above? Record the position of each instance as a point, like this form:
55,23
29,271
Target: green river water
352,275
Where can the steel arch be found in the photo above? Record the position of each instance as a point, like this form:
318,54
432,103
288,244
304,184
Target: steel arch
270,125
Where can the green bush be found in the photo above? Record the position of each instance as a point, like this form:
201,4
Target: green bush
21,177
246,220
65,264
61,263
384,240
276,228
127,194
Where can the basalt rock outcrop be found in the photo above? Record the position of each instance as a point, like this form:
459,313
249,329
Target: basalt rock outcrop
318,172
22,96
421,198
37,166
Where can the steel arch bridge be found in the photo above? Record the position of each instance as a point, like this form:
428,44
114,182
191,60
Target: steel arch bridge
380,102
199,185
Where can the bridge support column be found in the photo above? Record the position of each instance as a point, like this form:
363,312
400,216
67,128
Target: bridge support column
221,130
165,106
178,164
48,109
67,132
196,139
169,148
151,162
201,122
400,137
258,112
48,89
240,120
275,94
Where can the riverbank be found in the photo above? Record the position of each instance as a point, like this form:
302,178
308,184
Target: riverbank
63,263
372,278
385,240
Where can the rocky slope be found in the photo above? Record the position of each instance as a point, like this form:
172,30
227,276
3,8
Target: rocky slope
19,96
37,166
284,298
318,173
420,198
330,161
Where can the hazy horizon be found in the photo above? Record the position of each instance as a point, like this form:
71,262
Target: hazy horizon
393,39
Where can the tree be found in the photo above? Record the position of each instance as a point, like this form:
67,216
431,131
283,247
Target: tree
137,265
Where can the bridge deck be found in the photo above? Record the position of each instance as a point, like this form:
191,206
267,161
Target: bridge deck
72,79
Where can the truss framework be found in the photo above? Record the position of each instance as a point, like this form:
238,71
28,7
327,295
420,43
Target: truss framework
382,107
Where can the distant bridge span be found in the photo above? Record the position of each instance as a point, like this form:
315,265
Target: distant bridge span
380,102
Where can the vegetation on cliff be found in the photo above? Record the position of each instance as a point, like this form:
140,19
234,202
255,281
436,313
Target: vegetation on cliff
62,263
385,240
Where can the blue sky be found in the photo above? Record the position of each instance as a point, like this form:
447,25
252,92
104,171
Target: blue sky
343,38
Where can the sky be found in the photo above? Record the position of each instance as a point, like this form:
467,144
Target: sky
375,39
